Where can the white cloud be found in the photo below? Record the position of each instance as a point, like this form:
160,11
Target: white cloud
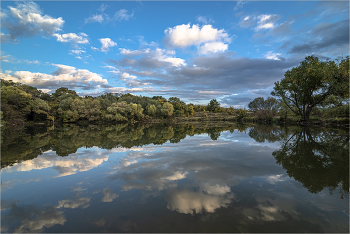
184,35
134,53
106,44
157,54
130,80
160,55
63,76
266,21
274,56
263,21
122,14
73,38
96,18
28,21
212,47
77,52
45,90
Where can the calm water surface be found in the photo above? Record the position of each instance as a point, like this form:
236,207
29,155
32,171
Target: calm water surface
179,178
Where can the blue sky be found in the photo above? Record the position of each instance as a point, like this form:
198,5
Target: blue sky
233,51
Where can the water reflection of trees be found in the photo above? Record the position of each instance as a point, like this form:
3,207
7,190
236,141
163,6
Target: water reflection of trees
25,144
316,157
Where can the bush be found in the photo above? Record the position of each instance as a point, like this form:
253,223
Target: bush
241,113
264,114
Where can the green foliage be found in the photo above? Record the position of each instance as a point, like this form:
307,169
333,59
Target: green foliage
264,114
136,111
15,104
309,84
241,113
40,109
231,111
151,110
167,109
259,103
213,104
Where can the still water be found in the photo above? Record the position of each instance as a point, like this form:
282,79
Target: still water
175,178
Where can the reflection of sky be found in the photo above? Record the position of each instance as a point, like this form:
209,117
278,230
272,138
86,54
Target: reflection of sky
197,176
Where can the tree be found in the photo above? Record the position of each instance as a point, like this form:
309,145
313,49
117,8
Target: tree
213,104
151,110
257,104
309,84
15,103
167,109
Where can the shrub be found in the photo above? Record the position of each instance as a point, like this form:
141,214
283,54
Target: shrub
264,114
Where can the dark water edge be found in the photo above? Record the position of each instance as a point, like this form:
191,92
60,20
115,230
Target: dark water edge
200,177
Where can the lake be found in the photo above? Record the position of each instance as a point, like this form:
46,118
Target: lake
175,178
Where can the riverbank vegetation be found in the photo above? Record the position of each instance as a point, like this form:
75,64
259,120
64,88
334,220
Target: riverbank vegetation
314,91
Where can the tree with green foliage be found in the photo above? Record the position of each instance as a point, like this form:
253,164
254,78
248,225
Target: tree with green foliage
261,104
15,104
151,110
39,108
213,104
167,109
257,104
309,84
241,113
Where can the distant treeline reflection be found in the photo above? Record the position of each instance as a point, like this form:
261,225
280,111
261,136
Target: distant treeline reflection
316,157
68,138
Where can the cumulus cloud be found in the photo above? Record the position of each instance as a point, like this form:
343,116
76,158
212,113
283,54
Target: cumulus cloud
122,14
64,75
184,35
26,20
107,43
213,47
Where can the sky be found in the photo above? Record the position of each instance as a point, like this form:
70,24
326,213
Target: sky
233,51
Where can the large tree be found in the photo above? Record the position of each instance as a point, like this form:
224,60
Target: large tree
309,84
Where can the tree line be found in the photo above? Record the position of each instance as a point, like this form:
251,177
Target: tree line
20,103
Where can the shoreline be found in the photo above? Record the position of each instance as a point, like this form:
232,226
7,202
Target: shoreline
341,122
